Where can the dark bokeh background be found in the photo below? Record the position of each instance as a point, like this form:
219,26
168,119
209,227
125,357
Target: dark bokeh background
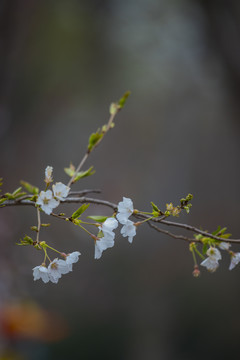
61,64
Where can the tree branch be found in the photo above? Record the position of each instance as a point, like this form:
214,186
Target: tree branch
160,220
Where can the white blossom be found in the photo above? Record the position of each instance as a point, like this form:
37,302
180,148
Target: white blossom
60,191
129,229
210,264
57,268
214,253
72,257
235,259
224,245
108,226
125,209
107,241
48,175
47,201
41,272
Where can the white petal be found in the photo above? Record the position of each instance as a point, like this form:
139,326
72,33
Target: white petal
235,259
224,245
73,257
210,264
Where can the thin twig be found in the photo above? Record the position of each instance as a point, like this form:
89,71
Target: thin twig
181,237
39,225
88,152
84,192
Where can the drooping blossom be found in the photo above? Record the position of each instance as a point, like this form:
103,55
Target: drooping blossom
41,272
211,262
107,241
125,209
235,259
129,229
72,258
60,191
57,268
47,201
224,245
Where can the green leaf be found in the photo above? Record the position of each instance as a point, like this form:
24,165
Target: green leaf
82,174
26,241
16,194
154,207
2,200
216,231
70,171
79,212
94,139
98,218
30,188
123,99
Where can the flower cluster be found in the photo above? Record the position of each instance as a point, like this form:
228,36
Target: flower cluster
214,255
106,236
125,210
56,268
49,200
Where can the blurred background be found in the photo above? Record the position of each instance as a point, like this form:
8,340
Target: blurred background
61,64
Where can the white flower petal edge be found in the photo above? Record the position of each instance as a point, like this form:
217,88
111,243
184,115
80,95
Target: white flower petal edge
129,229
73,257
235,259
109,225
60,191
210,264
46,201
41,272
224,245
107,241
125,209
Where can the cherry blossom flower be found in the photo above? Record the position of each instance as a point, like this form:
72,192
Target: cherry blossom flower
60,191
125,209
72,257
235,259
41,272
103,243
129,229
107,241
48,175
47,201
211,262
108,226
214,253
57,268
224,245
